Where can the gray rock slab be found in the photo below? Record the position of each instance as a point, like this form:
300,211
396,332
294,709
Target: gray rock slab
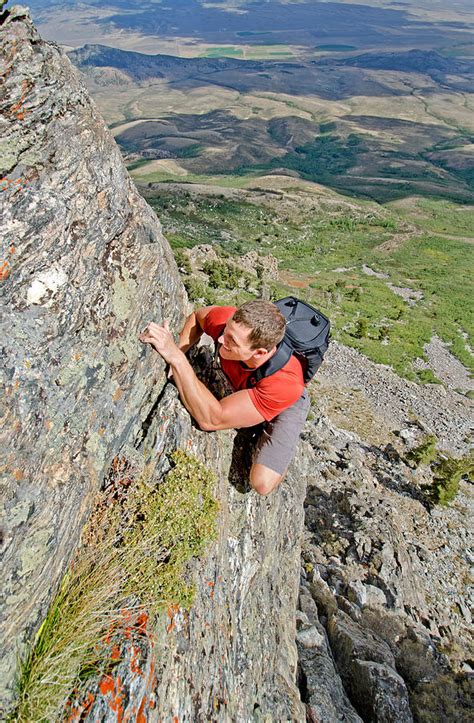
380,694
88,268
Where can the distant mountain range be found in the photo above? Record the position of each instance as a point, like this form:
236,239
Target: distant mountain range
428,62
275,76
142,67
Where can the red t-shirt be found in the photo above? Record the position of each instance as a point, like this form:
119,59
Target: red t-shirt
270,395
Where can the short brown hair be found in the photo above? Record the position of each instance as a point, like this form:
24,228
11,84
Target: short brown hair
265,321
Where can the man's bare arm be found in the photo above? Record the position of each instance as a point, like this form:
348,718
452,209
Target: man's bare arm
192,329
234,411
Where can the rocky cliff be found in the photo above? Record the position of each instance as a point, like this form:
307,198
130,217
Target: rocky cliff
84,268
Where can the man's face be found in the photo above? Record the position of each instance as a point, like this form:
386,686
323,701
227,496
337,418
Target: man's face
234,341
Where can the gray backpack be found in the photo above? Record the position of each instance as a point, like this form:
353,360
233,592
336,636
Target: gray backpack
307,337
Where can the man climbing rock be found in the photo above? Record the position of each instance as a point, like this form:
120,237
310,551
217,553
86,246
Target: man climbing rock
247,337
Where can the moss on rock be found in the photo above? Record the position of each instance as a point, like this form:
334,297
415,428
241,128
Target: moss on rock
134,559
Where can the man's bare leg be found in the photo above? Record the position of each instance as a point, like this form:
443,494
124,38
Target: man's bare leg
263,479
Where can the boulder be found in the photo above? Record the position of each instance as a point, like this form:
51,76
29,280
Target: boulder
379,693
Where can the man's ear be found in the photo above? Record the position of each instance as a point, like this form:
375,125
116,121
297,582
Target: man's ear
260,352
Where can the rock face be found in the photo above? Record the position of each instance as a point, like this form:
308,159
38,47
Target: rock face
88,268
384,620
85,268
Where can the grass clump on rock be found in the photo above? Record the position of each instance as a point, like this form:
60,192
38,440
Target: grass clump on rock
447,474
423,453
446,471
133,560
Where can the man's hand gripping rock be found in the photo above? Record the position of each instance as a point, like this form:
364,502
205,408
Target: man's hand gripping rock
162,341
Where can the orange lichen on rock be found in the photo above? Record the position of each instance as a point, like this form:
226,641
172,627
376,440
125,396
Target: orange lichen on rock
141,717
87,704
110,631
78,712
6,183
111,690
136,656
4,271
74,715
106,685
142,621
18,108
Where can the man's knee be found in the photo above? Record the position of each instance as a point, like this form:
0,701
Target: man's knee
263,479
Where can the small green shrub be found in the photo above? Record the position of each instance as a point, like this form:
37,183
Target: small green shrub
426,376
221,275
198,291
183,262
424,453
362,328
447,474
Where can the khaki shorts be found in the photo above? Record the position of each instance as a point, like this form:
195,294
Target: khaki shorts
276,446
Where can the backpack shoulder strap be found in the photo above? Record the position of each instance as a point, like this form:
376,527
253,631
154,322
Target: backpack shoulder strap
274,364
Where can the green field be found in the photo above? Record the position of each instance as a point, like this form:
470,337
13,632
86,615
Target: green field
335,48
271,49
223,52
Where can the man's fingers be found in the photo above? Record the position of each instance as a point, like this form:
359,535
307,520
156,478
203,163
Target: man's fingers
154,333
154,327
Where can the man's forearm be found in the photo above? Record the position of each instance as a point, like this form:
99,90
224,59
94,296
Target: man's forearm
196,397
190,334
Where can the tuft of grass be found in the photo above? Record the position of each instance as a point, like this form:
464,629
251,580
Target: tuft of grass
134,560
425,452
180,516
447,474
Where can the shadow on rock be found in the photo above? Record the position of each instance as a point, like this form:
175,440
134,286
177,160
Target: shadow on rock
209,373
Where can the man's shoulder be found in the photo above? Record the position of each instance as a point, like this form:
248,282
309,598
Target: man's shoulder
286,383
273,394
220,312
292,370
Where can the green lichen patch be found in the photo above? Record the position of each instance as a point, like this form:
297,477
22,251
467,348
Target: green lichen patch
136,548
